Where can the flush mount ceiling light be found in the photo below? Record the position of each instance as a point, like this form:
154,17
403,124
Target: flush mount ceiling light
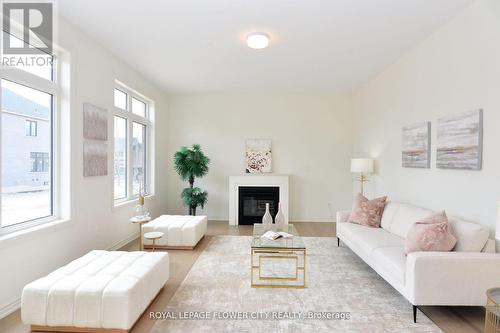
258,40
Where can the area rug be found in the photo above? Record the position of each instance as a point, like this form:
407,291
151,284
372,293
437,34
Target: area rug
343,294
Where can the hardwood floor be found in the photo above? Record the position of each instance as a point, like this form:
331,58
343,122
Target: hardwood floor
449,319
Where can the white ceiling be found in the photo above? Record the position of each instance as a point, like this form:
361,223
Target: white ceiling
198,46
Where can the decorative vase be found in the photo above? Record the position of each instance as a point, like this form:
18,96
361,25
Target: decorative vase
267,219
279,220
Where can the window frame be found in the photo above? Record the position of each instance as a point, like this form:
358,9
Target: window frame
52,87
148,122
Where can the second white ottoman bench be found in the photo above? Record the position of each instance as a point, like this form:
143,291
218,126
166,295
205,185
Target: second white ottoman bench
180,231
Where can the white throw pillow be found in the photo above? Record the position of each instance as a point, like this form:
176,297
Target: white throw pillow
471,237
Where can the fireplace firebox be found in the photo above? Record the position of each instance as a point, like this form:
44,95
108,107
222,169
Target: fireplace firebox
252,203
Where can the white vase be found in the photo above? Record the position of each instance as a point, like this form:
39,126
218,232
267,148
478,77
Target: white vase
280,220
267,219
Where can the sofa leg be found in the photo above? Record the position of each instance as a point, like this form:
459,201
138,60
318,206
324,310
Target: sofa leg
338,242
415,314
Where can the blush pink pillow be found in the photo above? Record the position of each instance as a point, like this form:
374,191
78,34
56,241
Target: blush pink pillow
367,212
432,233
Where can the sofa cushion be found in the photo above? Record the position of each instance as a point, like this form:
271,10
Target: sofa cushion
393,261
471,237
404,217
369,238
432,233
367,212
390,210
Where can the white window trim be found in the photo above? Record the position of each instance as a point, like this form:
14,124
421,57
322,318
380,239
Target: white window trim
148,121
59,88
33,81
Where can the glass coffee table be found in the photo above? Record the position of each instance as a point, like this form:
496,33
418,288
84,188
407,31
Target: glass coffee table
279,263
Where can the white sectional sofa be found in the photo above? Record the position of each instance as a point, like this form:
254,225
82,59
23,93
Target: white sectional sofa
459,277
99,292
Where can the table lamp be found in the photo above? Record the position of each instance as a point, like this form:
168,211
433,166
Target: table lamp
363,166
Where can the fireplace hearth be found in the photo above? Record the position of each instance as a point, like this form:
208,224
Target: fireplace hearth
252,203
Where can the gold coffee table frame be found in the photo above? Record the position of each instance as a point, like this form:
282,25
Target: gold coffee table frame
282,249
492,315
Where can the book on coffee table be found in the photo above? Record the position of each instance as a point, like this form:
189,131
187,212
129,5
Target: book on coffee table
273,235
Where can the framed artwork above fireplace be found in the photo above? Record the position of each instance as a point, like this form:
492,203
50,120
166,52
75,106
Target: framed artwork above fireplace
258,156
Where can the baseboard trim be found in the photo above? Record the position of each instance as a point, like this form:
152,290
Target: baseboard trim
118,245
10,308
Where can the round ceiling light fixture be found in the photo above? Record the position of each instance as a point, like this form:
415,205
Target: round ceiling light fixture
258,40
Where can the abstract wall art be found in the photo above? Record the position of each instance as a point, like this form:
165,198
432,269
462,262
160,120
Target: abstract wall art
95,122
258,156
95,158
95,136
460,141
416,145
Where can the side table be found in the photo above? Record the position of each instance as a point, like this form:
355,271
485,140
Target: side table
153,236
140,220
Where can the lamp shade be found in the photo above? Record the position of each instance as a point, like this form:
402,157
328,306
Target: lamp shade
497,234
362,165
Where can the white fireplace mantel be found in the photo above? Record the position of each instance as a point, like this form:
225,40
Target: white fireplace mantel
235,182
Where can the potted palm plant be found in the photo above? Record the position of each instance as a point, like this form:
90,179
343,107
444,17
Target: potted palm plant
191,163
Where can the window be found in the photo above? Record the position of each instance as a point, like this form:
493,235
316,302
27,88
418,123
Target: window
26,151
34,118
44,63
120,171
132,127
39,162
138,107
138,158
31,128
120,99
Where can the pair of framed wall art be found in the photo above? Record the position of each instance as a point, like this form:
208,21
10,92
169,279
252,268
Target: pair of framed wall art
459,143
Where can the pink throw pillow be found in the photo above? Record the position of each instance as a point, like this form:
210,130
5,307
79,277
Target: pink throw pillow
432,233
367,212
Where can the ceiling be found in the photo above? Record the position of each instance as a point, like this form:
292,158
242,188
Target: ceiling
198,46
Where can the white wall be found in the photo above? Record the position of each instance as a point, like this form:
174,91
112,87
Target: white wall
457,69
311,141
94,224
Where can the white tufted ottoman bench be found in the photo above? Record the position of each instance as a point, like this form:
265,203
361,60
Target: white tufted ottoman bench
103,291
180,231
